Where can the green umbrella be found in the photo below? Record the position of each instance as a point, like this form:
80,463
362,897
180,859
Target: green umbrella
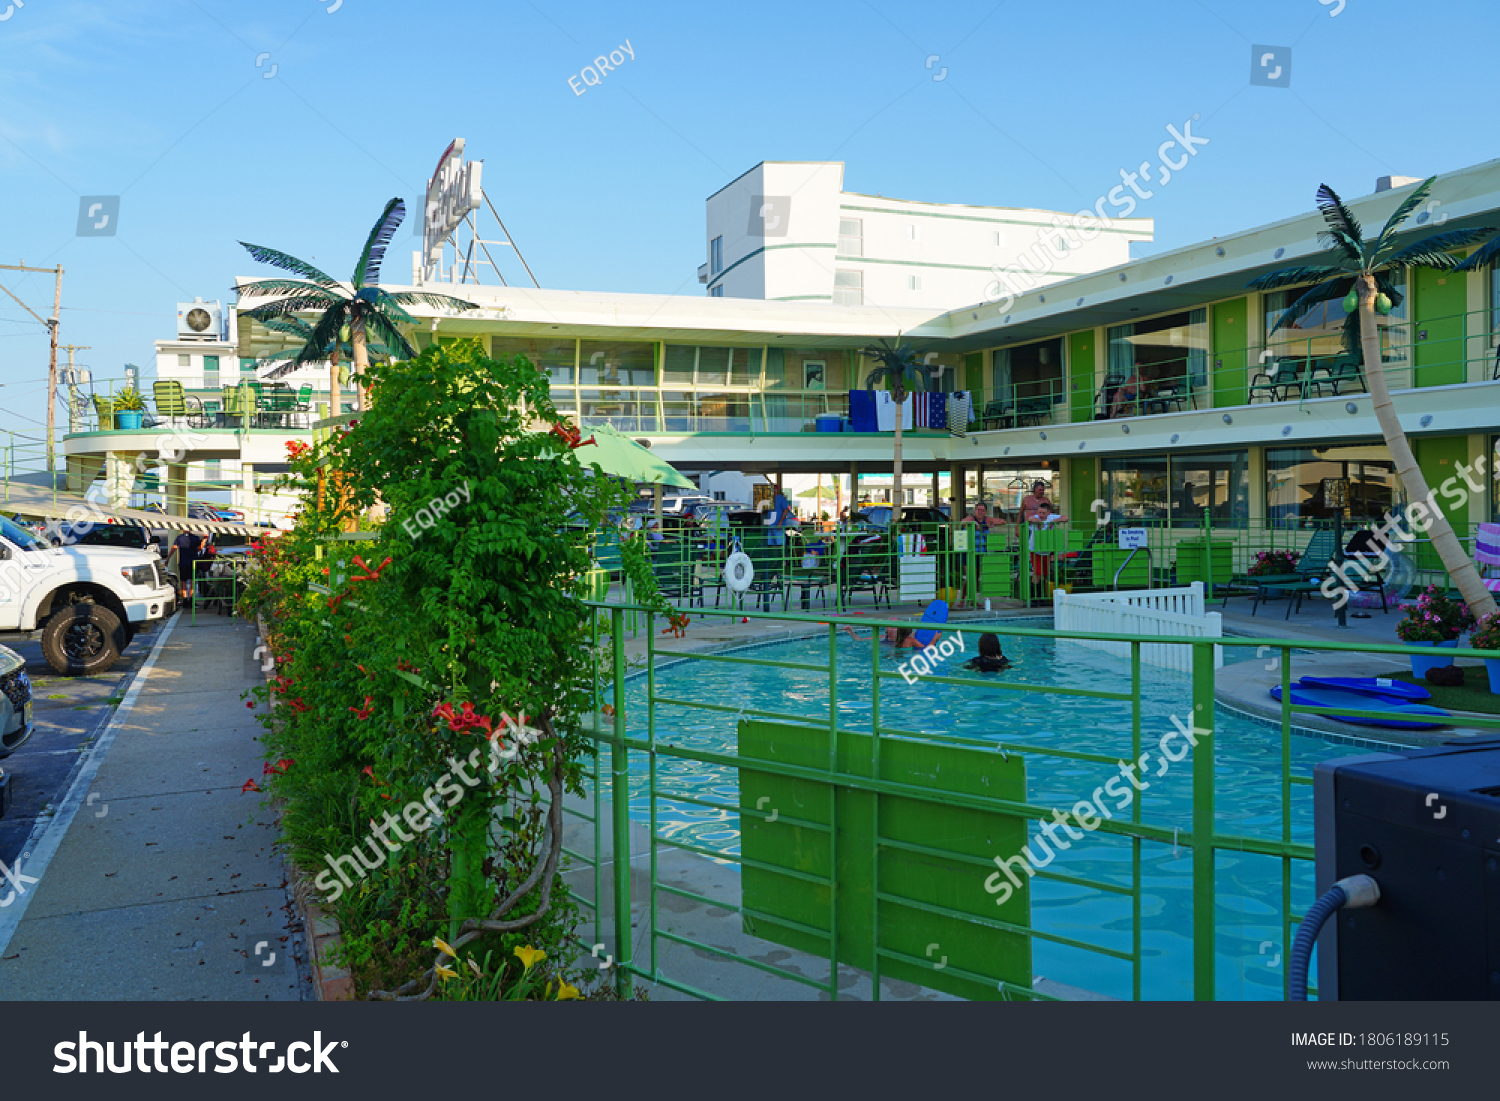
616,454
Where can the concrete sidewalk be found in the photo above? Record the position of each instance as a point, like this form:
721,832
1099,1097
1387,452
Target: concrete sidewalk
157,878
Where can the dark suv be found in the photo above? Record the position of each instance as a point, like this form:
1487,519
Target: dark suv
102,535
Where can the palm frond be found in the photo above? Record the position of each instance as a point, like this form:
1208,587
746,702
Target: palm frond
391,341
424,298
268,288
1482,256
1288,277
293,326
1402,212
295,305
367,271
1352,345
1434,251
1337,215
1338,239
1323,292
325,335
290,263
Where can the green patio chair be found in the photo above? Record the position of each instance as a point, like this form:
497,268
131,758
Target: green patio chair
1311,568
239,406
104,409
174,405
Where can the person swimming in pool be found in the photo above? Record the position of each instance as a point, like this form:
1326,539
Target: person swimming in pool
903,638
990,659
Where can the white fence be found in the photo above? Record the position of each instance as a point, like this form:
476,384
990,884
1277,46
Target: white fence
1176,613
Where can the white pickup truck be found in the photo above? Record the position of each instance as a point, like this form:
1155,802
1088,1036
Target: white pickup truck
87,601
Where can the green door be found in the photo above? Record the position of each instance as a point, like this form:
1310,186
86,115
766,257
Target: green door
1081,376
1229,352
1439,327
1081,492
974,379
1438,457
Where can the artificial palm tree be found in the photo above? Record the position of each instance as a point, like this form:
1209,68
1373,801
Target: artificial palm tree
896,364
359,312
1360,277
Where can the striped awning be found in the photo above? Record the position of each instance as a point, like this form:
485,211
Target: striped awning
37,502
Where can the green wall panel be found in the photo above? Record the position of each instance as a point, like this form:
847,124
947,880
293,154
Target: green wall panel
1229,352
1438,458
962,843
1081,376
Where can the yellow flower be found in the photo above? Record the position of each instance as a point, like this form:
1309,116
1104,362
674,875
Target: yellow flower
530,956
443,946
566,993
446,973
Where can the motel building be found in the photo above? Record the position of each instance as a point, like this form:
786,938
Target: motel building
1230,426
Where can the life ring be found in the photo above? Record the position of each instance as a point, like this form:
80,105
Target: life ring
739,572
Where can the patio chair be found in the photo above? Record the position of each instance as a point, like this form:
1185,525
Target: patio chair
173,405
997,412
1311,568
104,409
1279,383
866,568
1340,371
239,406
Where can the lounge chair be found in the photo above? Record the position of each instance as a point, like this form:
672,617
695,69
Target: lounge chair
173,405
1311,568
104,409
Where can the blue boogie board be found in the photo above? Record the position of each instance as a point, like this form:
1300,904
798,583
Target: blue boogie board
937,612
1413,716
1372,686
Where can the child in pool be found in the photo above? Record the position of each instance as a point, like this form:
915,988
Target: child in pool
901,636
990,659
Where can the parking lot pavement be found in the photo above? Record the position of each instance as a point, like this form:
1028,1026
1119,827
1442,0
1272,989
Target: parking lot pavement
68,715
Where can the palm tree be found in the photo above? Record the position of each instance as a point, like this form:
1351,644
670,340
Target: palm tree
352,313
1361,273
896,364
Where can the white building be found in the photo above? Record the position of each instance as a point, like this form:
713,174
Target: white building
788,231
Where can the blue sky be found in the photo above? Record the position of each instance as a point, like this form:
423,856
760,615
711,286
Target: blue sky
163,103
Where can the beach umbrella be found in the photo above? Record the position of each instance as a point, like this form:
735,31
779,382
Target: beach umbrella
619,456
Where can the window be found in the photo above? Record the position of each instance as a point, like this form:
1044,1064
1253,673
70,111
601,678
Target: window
716,256
1320,331
914,282
849,288
1168,356
999,239
912,232
716,292
1181,489
851,237
1495,301
210,372
184,360
1294,482
213,470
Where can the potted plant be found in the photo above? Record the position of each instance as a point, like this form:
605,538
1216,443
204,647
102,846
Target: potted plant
1434,620
1273,562
129,408
1486,636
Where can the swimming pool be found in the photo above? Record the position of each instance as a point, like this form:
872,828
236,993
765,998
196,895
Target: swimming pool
1251,942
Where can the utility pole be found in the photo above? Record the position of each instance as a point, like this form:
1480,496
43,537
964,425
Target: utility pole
73,384
52,324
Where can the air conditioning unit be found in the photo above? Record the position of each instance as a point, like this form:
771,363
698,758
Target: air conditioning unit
200,320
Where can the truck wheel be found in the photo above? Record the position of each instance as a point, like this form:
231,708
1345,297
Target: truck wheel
82,638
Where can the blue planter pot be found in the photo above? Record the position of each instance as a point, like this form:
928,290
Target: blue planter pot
1493,665
130,421
1419,666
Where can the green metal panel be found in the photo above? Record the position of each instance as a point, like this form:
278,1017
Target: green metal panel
1106,560
1229,351
932,863
1081,376
1438,337
996,574
1193,565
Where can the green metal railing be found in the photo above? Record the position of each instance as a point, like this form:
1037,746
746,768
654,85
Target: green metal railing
621,747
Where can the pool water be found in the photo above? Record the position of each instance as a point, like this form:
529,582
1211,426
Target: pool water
1251,943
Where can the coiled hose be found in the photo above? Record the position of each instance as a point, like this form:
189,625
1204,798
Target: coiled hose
1352,893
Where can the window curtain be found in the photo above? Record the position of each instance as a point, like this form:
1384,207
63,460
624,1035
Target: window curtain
775,404
1002,385
1197,368
1121,352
